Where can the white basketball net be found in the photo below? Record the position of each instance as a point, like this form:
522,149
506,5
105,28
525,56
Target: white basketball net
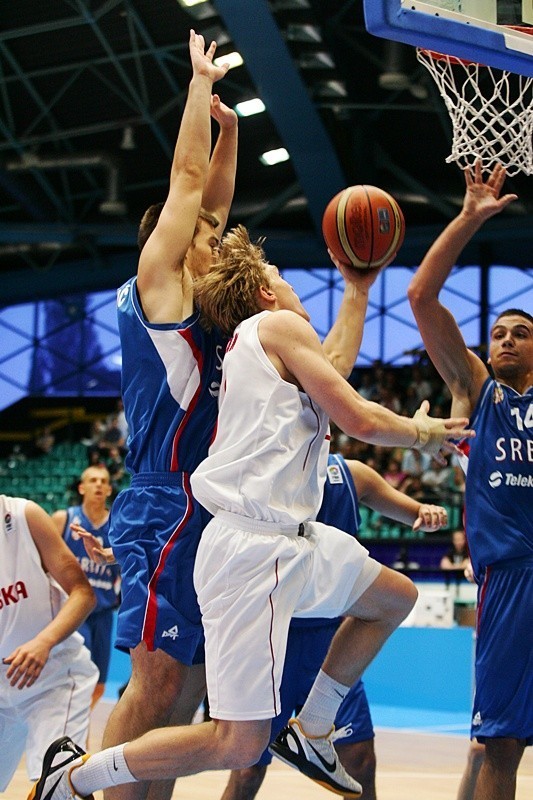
491,112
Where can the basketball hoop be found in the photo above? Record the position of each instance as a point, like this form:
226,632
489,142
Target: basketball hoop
491,111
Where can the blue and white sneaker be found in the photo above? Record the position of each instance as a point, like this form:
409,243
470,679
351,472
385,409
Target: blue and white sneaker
314,757
59,760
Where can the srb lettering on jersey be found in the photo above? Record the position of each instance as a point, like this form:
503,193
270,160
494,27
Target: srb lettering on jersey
9,595
513,449
214,386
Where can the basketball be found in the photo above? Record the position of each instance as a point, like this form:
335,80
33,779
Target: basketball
363,226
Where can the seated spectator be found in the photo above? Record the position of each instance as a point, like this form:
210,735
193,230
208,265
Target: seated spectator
436,479
92,442
421,385
112,437
410,401
367,387
414,462
115,467
457,556
457,477
389,399
16,456
394,474
414,488
45,441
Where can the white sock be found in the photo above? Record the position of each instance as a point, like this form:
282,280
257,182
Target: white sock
320,709
107,768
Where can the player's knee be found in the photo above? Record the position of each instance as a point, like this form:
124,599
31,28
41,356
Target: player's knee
397,598
242,749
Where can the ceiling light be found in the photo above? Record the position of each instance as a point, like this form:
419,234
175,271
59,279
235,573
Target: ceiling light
330,89
190,3
233,59
199,9
318,60
303,33
249,107
271,157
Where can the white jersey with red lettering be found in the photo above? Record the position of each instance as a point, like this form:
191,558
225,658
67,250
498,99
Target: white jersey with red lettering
269,456
29,597
59,701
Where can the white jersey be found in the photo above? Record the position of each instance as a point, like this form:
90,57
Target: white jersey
29,597
268,460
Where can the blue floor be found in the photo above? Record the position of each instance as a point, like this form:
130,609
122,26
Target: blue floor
423,720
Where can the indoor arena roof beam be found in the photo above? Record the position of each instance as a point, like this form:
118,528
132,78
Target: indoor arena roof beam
267,58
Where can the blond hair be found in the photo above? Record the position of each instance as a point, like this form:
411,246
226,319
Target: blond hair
228,293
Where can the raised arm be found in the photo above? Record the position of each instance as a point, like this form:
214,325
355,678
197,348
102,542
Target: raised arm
374,491
27,661
459,367
294,348
160,273
342,344
220,184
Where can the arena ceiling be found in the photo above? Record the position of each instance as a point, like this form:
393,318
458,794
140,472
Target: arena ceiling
91,94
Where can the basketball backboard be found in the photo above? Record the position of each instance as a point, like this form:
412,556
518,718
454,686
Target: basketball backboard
475,30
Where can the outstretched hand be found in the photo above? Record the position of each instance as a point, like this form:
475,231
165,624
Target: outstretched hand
202,59
436,435
361,278
430,518
223,114
93,546
482,198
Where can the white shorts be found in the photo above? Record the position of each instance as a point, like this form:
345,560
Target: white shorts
251,580
58,704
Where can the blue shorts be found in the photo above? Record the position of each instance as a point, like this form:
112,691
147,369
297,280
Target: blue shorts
97,631
155,528
503,702
307,646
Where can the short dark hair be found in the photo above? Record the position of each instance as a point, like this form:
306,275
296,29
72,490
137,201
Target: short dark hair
151,216
514,312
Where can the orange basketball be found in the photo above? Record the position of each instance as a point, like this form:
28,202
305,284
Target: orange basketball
363,226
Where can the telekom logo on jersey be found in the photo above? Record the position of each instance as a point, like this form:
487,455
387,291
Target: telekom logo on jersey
12,594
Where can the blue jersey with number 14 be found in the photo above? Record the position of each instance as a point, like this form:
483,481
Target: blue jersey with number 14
499,486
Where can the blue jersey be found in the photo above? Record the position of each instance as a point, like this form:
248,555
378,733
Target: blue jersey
499,487
340,508
104,578
170,381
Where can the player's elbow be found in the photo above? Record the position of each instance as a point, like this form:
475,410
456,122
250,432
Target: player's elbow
191,174
417,295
